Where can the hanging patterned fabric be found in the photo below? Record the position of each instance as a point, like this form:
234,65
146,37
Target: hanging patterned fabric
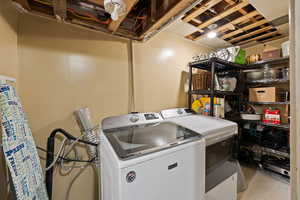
19,148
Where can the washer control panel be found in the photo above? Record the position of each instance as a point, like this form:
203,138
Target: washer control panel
130,119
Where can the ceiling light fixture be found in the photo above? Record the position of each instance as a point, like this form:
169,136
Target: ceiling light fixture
115,8
212,35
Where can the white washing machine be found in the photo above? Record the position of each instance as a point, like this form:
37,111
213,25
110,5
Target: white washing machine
144,157
221,169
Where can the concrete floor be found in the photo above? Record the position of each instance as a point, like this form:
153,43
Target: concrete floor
263,185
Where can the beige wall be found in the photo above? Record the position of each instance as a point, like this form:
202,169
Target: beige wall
8,61
161,71
64,68
8,39
258,49
61,69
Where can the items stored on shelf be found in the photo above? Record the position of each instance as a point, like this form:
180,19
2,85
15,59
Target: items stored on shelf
271,116
268,94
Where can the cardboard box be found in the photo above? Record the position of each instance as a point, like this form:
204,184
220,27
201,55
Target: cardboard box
265,94
269,55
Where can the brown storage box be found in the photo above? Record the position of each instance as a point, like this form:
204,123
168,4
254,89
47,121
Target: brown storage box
274,54
266,94
201,80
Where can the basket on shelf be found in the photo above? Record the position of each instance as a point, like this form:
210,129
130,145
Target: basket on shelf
201,80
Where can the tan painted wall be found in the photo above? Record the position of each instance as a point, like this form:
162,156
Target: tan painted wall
8,39
161,71
258,49
8,62
63,68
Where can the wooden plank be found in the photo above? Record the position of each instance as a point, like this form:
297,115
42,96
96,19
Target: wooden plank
201,10
197,21
246,28
224,14
180,6
98,2
23,3
60,8
153,10
232,23
274,38
242,11
251,34
114,25
258,38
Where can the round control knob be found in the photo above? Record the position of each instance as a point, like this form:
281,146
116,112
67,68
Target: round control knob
131,177
134,118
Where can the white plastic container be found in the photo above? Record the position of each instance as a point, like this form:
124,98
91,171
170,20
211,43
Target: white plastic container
285,49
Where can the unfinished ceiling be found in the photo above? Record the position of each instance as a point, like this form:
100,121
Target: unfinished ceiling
236,22
141,20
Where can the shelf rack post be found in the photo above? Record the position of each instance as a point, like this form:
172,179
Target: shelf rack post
190,86
212,89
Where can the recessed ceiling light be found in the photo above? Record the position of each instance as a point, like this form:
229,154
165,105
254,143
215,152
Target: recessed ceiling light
212,35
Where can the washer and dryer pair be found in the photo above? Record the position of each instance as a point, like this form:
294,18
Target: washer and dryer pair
172,155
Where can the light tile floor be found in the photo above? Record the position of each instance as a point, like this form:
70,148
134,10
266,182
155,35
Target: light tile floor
264,186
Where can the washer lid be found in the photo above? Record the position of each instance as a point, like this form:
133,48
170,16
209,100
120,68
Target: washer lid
143,139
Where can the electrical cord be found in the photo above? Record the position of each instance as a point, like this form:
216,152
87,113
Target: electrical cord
67,169
67,159
58,154
61,153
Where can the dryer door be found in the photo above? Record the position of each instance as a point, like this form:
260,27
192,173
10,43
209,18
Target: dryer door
219,163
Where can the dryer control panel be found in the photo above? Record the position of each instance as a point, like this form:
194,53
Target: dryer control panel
176,112
130,120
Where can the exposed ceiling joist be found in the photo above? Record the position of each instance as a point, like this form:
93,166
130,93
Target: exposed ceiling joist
246,28
179,7
258,37
197,21
274,38
201,10
98,2
224,14
231,2
153,10
23,3
60,8
267,28
234,22
114,25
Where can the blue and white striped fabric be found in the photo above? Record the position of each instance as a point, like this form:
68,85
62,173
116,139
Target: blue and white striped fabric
19,148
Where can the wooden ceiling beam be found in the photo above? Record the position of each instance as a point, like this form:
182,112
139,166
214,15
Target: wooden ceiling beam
224,14
238,21
246,28
232,23
114,25
23,3
180,6
201,10
267,28
275,32
242,11
97,2
153,10
60,8
273,38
